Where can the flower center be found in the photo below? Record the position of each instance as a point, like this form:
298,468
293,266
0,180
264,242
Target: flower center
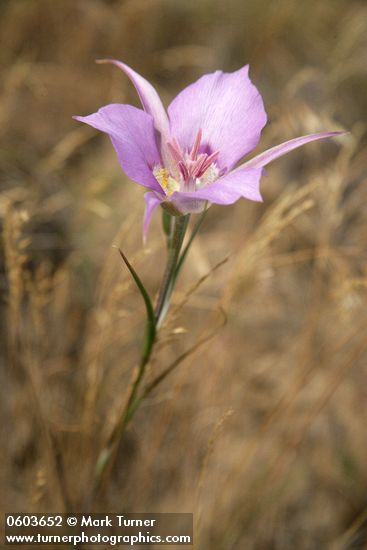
194,169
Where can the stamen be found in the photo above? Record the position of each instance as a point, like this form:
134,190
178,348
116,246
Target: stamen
184,171
195,147
199,165
211,158
177,155
177,146
192,166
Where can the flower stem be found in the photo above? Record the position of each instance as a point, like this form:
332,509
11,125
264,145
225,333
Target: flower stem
175,241
108,455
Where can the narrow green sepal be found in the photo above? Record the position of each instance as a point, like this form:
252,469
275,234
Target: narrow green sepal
171,209
185,251
166,222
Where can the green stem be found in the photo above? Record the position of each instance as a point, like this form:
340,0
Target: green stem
174,247
188,246
108,454
175,243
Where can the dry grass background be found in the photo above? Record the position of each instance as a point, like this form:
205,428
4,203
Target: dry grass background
262,431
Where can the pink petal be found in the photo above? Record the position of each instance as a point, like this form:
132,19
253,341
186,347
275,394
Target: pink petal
133,136
152,105
274,152
244,182
152,201
229,110
147,94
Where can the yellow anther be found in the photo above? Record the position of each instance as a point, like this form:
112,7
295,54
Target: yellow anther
169,184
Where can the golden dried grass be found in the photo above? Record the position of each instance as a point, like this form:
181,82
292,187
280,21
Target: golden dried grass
261,430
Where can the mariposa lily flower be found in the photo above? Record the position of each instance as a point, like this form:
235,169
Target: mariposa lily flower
187,157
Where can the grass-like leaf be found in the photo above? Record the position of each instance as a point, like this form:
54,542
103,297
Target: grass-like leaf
151,324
